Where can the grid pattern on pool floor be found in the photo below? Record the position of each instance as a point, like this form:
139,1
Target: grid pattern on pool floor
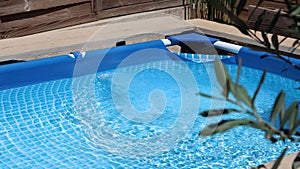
39,128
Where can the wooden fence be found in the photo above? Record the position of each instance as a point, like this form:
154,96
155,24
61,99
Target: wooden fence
269,7
267,12
24,17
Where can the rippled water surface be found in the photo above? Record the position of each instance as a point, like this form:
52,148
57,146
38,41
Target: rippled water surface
142,116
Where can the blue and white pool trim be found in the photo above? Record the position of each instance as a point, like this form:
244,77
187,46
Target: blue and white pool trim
250,58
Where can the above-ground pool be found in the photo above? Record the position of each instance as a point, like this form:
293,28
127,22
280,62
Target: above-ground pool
132,106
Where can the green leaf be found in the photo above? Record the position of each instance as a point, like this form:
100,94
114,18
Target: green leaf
257,5
264,56
296,162
289,115
220,72
244,96
266,40
284,70
278,106
262,166
275,41
223,77
295,43
262,79
218,112
223,126
269,136
274,21
259,20
209,96
226,91
239,70
240,7
240,93
295,11
297,123
279,159
294,107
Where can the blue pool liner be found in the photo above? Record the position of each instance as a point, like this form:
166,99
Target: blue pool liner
64,66
269,62
60,67
250,58
204,58
191,37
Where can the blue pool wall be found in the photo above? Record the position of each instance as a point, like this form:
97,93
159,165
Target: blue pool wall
269,62
250,58
62,66
183,39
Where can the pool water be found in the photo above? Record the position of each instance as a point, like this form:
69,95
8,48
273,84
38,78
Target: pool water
140,116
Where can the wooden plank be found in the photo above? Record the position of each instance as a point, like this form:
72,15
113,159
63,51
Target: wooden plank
61,18
108,4
19,6
74,11
279,4
244,15
98,5
46,26
280,27
266,4
139,8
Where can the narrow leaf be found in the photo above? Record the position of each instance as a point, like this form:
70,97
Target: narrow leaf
259,20
296,162
240,7
262,79
274,21
244,96
223,126
243,30
269,136
294,107
295,43
285,69
220,72
262,166
282,40
264,56
226,91
278,106
279,159
288,115
266,40
241,94
295,11
209,96
257,5
218,112
297,123
275,41
239,70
